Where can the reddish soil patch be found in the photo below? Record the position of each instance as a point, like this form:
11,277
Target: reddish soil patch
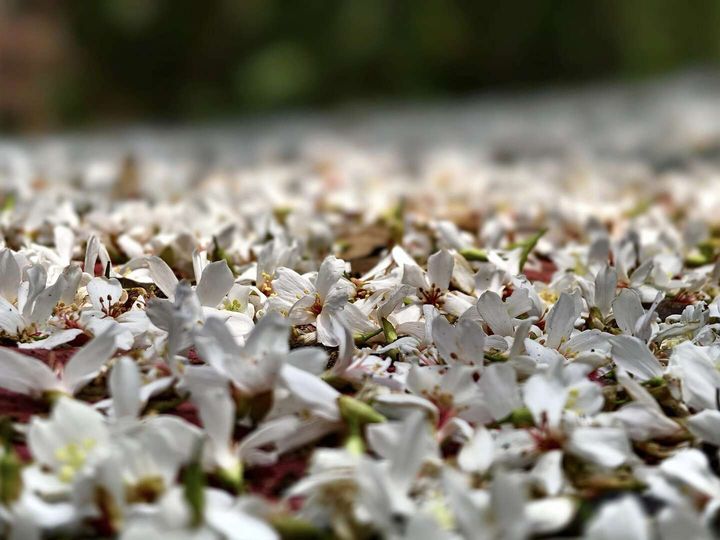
271,481
543,273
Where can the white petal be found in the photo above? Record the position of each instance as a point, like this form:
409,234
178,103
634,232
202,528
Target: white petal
548,472
499,388
508,500
124,383
104,293
608,447
633,356
331,270
217,412
560,321
643,327
72,275
355,319
49,515
477,454
440,267
86,363
252,375
270,334
471,342
492,310
605,284
36,279
346,348
9,275
643,423
25,375
619,520
690,466
235,525
470,518
706,426
162,276
395,405
53,340
518,302
64,240
46,301
550,515
542,355
678,522
313,392
413,276
324,327
268,433
217,279
425,527
95,250
311,359
238,324
463,276
411,450
545,397
700,379
291,286
444,337
199,262
11,321
402,258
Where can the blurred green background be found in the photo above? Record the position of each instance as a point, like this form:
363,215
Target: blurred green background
81,63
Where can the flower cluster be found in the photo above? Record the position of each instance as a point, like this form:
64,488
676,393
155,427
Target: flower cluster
351,348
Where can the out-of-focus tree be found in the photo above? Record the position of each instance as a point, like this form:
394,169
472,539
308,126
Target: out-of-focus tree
108,60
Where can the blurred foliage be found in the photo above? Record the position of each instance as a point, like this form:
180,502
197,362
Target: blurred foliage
199,59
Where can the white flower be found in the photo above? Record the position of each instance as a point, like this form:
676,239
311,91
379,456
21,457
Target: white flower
503,511
217,412
464,342
71,443
384,486
107,296
305,302
500,316
431,287
630,315
558,389
254,367
446,392
35,303
178,318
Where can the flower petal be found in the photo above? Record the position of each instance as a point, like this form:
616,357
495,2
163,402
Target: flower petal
217,279
104,293
85,364
440,268
633,356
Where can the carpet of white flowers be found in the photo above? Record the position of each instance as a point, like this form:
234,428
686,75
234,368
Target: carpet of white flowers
338,344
